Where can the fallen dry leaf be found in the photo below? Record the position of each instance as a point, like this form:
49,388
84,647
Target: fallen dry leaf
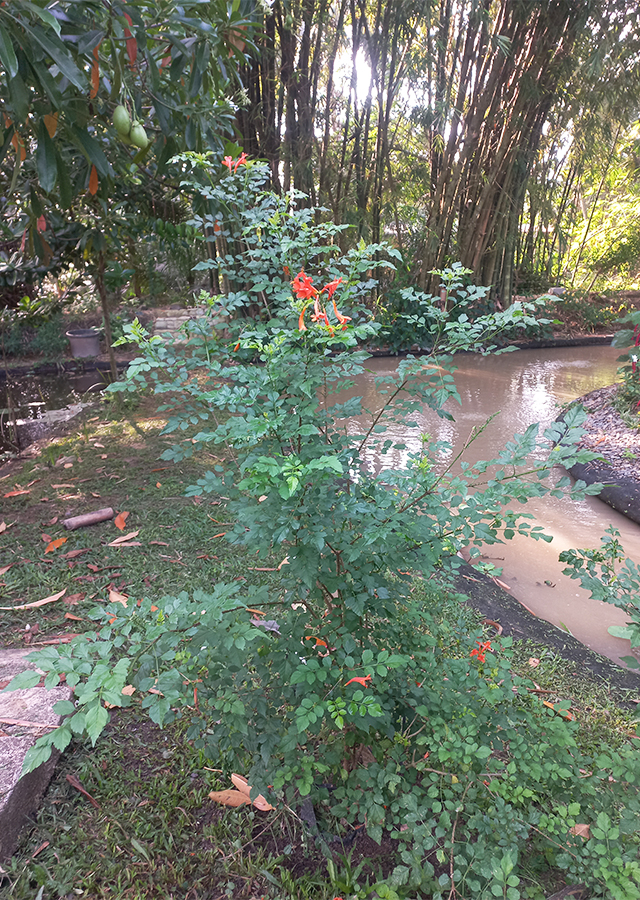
534,662
72,617
4,526
120,520
93,567
73,553
35,603
99,445
16,493
5,569
72,599
54,545
158,484
43,846
116,597
46,538
229,797
103,456
581,830
123,538
128,690
245,788
160,543
53,521
63,485
73,781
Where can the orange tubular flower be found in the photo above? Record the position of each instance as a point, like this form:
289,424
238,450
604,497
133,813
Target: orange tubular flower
342,319
303,286
361,680
242,161
480,650
301,325
332,287
228,162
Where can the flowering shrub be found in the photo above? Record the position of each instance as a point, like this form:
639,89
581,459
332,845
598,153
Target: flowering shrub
345,683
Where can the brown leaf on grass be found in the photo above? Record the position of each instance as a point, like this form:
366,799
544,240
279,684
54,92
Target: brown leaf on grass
73,781
229,797
245,788
116,597
123,538
55,545
63,485
120,520
128,690
5,569
35,603
72,617
4,526
72,554
534,662
93,567
97,444
160,543
72,599
46,538
43,846
16,493
53,521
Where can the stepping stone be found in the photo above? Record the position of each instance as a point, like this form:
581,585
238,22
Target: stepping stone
24,716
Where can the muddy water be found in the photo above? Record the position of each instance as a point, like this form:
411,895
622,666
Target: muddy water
530,386
35,402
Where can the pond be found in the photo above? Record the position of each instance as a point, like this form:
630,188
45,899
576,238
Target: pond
531,386
37,401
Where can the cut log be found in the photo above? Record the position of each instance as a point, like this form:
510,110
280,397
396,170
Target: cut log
92,518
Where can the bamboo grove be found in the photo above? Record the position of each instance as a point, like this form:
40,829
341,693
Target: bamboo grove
458,129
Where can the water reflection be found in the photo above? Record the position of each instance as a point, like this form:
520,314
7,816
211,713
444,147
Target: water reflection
527,386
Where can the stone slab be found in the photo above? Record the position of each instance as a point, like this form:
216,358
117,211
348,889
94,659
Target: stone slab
21,796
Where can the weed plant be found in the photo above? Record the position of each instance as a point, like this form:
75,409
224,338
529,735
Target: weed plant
338,684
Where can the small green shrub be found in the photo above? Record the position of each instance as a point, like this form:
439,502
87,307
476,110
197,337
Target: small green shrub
342,684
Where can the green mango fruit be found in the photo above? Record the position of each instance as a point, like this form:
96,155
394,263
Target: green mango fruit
139,136
121,120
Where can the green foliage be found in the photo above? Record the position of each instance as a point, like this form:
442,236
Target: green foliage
628,396
262,239
339,684
431,321
609,577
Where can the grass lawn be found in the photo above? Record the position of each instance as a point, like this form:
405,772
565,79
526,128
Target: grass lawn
153,832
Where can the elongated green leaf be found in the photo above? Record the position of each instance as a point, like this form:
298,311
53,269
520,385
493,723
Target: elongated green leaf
43,76
19,98
46,164
43,14
7,54
94,152
60,55
64,183
6,143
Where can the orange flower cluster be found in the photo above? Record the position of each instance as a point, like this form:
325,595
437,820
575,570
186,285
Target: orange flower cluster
480,650
304,290
233,166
